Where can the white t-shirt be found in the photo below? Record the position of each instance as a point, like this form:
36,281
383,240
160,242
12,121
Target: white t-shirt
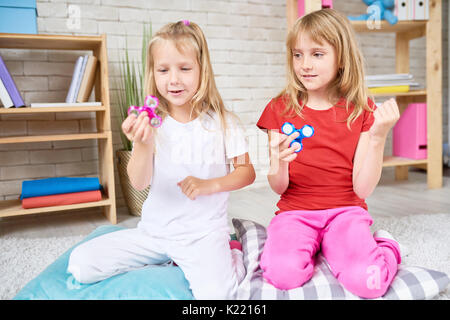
199,149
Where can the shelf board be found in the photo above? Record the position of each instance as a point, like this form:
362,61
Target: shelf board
401,26
401,94
51,109
57,137
49,42
392,161
9,208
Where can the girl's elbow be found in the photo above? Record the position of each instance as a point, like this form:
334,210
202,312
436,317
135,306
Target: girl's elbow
277,187
140,186
250,177
362,193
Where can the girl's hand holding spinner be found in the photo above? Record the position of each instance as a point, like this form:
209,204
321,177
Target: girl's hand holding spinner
138,126
149,106
306,131
286,146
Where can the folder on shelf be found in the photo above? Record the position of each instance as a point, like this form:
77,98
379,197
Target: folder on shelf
4,96
389,76
62,199
390,89
376,84
73,84
87,81
79,77
10,86
59,185
411,7
401,9
421,10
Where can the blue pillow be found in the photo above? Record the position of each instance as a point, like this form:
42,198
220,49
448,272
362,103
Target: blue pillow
150,283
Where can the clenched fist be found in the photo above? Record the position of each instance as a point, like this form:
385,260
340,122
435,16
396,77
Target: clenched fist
193,187
386,116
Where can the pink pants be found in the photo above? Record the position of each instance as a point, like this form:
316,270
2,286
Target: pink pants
364,265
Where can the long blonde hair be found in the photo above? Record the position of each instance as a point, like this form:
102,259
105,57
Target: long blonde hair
187,34
334,28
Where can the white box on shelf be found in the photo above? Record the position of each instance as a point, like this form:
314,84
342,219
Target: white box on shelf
401,9
421,10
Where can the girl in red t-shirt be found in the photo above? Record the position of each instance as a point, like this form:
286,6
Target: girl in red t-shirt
323,186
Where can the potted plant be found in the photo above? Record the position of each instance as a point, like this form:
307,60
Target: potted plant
131,92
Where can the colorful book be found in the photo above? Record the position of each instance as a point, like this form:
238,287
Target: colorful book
387,83
61,199
58,185
4,96
391,89
10,86
76,71
389,76
87,82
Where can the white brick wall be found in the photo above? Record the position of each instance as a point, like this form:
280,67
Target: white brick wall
246,40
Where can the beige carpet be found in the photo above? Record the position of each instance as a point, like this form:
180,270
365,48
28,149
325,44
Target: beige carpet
427,236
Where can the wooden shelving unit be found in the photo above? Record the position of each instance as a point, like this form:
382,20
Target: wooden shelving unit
96,44
405,31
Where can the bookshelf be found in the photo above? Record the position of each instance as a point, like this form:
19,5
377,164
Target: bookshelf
405,31
96,44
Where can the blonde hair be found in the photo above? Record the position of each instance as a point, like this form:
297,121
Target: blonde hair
334,28
187,34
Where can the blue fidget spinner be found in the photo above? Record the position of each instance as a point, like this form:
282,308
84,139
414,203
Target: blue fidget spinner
306,131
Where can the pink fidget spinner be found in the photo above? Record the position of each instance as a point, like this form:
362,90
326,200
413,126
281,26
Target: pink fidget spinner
150,105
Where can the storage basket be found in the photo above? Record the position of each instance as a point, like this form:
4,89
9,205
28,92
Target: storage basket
133,198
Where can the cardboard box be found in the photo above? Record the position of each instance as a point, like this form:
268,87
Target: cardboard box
18,16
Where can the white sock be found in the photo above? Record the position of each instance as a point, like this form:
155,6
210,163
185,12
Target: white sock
237,258
404,250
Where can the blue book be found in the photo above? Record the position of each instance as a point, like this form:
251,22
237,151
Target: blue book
59,185
10,86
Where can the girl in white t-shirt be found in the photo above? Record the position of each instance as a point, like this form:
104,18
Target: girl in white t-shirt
187,163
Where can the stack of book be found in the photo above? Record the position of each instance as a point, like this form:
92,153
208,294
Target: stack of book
80,89
59,191
9,95
391,83
82,79
81,85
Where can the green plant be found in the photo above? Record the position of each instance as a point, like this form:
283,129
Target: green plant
131,83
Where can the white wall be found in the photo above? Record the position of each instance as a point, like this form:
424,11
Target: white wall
246,39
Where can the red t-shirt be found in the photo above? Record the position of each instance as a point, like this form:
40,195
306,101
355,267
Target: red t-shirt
321,175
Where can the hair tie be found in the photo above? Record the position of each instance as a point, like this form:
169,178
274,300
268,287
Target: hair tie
186,22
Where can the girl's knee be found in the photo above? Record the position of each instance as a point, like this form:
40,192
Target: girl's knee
287,272
81,267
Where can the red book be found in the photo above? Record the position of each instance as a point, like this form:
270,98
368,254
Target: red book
61,199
